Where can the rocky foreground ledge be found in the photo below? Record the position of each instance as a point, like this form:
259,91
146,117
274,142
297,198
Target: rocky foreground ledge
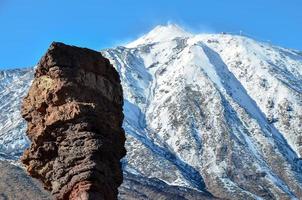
74,115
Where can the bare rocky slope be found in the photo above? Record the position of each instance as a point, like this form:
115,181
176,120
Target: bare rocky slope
215,113
15,184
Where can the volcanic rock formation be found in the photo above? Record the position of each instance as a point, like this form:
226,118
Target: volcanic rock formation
74,115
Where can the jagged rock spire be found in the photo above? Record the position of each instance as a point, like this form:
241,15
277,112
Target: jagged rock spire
74,115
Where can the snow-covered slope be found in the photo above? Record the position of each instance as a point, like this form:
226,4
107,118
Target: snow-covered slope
13,86
214,112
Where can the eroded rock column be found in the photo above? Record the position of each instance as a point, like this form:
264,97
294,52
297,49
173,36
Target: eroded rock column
74,115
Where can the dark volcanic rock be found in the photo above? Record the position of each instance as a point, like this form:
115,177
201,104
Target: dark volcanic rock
74,115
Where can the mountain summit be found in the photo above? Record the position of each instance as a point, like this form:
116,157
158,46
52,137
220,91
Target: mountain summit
160,33
216,113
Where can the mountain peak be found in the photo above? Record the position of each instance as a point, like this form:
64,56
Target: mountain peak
160,33
169,28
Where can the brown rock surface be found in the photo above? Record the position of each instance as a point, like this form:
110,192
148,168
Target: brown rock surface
74,115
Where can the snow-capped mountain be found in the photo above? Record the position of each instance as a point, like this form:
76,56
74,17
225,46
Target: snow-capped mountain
217,113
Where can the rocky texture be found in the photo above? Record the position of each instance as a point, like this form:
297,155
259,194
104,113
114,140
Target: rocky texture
74,115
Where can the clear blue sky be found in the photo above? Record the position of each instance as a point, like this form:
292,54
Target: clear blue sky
27,27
